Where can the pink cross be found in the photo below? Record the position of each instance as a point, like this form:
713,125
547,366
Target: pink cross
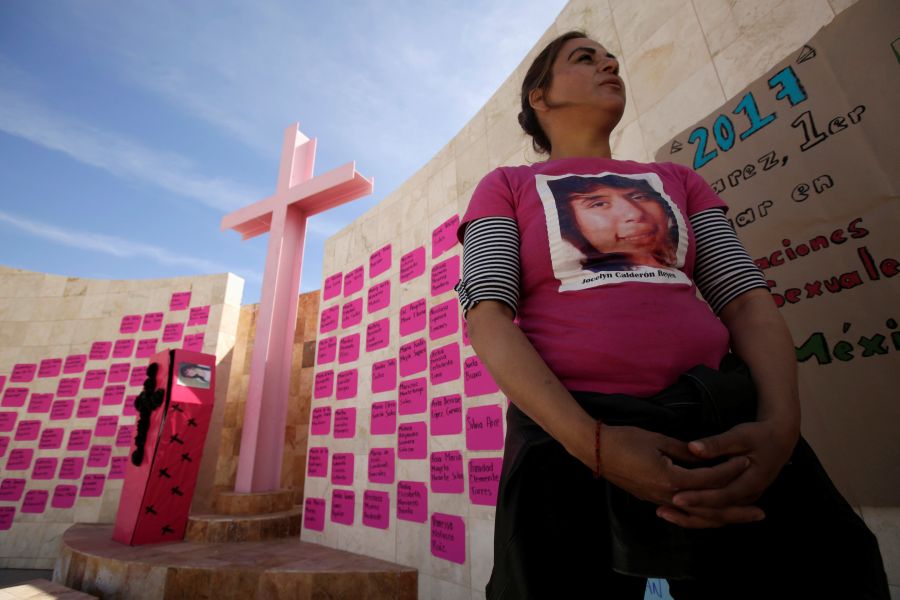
298,195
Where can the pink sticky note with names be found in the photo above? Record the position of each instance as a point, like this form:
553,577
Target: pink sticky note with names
124,435
412,501
152,321
51,438
320,422
478,381
113,395
79,439
351,313
44,468
199,315
88,408
64,496
384,375
14,397
342,506
332,286
444,275
381,465
342,468
4,444
19,459
193,342
326,351
384,418
92,485
314,514
412,264
448,537
346,387
378,297
118,372
412,396
380,261
353,281
106,426
317,464
7,514
444,364
100,350
444,236
376,508
411,440
348,349
128,409
465,333
447,472
71,468
35,501
173,332
329,319
8,420
130,323
123,348
11,489
323,385
345,423
413,357
61,410
180,301
50,367
40,403
74,364
98,456
94,379
443,319
2,381
484,480
146,348
378,334
412,317
446,415
117,467
27,431
484,428
138,375
23,373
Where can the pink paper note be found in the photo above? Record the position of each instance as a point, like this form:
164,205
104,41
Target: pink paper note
446,415
117,467
314,514
384,418
324,384
118,372
353,281
130,323
412,264
412,317
71,467
147,347
68,387
79,439
380,261
61,410
448,537
98,456
317,465
88,408
35,501
342,468
444,364
23,373
44,468
14,397
11,490
412,396
351,313
92,485
123,348
51,438
447,472
484,480
444,275
7,514
124,435
173,332
376,508
4,444
100,350
412,501
384,375
50,367
180,301
193,342
19,459
94,379
128,409
413,357
411,440
348,349
444,237
320,423
106,426
381,465
326,351
27,431
199,315
8,420
152,321
443,319
484,428
378,297
465,333
64,496
329,319
2,381
345,423
346,385
74,364
113,395
40,403
478,381
138,375
332,286
378,334
342,506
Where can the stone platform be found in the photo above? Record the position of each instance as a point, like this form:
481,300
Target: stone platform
277,569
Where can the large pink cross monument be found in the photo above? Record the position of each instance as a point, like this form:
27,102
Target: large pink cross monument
298,195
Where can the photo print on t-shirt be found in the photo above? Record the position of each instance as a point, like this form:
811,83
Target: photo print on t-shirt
609,228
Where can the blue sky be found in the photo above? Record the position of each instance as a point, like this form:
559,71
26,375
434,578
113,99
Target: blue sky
128,129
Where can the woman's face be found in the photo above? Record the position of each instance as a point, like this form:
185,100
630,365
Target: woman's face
586,73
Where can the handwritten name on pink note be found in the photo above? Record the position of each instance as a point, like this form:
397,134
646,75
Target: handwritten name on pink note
412,396
384,418
61,410
118,372
444,364
173,332
317,464
4,444
138,375
380,261
323,385
198,315
40,403
411,440
146,348
180,301
19,459
113,395
2,381
329,319
35,501
484,480
123,348
447,472
94,379
378,334
382,466
106,426
98,456
152,321
348,349
117,467
74,364
23,373
412,501
444,236
342,506
465,334
332,286
51,438
345,423
443,319
50,367
64,496
8,420
7,514
444,275
44,468
128,409
92,485
342,468
321,421
130,323
100,350
378,297
11,489
79,439
412,264
384,375
14,397
376,508
478,381
484,428
124,435
412,317
88,408
27,431
353,281
446,415
346,385
326,351
314,514
351,313
448,537
193,342
71,468
413,357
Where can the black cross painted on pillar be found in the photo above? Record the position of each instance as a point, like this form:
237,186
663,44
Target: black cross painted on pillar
186,457
177,491
177,408
166,529
191,422
165,473
150,510
174,439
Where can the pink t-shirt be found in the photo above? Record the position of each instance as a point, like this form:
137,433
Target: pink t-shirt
607,258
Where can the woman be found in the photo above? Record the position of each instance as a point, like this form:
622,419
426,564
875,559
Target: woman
594,356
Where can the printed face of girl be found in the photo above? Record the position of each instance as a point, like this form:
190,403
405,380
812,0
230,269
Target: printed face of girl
629,220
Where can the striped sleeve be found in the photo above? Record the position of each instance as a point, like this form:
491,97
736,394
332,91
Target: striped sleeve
723,270
490,263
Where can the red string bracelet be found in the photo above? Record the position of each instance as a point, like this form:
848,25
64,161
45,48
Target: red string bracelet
597,450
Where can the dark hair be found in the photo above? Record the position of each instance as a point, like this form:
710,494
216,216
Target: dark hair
539,76
563,189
